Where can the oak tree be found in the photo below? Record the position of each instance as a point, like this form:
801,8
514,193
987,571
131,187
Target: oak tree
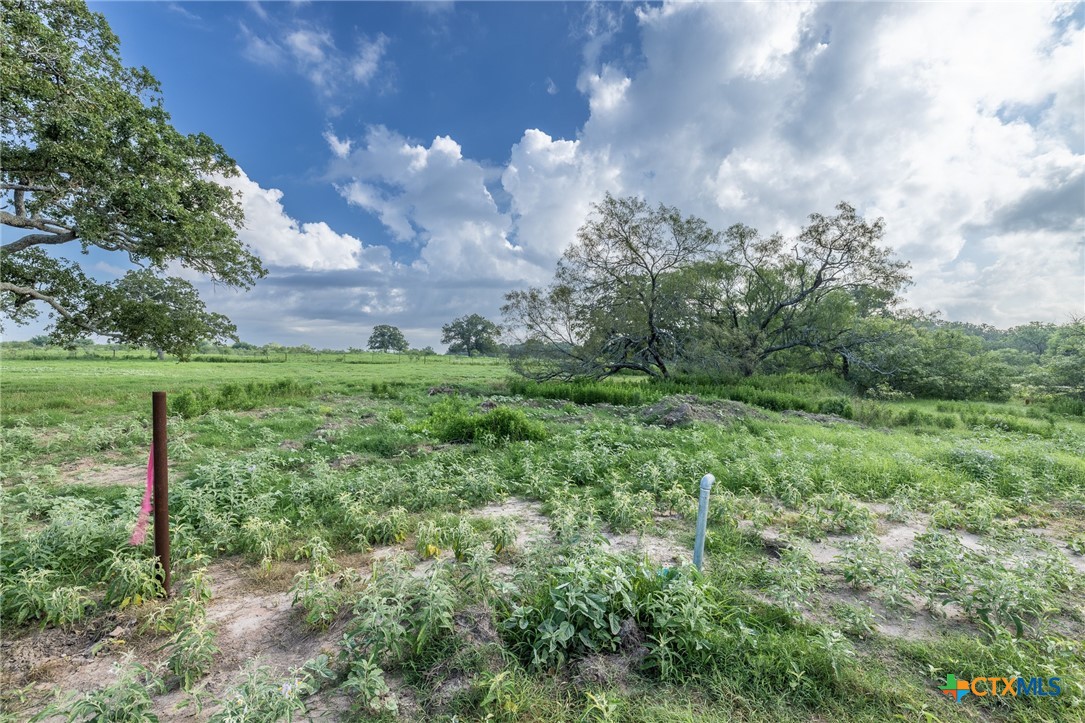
471,335
614,303
387,338
89,158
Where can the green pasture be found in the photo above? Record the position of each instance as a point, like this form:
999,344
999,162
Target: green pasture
859,550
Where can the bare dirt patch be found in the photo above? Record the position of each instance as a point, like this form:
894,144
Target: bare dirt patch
252,617
533,526
659,550
98,473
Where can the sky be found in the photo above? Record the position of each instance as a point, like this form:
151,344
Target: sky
411,163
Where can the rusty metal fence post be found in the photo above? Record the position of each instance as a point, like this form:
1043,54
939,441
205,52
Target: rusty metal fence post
161,487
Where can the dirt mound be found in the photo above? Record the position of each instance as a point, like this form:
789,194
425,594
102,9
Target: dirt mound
443,389
687,408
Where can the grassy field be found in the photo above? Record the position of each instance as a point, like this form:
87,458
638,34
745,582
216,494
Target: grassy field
432,541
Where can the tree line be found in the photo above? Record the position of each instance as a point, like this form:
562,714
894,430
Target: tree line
645,289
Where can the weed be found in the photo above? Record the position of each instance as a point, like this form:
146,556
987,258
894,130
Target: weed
186,607
501,697
378,528
261,697
791,582
191,652
366,680
128,700
428,539
319,555
503,535
857,620
601,708
318,596
132,580
33,595
629,510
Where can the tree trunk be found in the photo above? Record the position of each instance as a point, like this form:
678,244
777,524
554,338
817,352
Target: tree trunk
845,366
161,355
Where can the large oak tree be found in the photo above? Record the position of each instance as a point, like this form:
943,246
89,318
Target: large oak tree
649,290
386,337
89,159
613,304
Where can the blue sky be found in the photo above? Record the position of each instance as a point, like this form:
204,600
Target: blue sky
410,163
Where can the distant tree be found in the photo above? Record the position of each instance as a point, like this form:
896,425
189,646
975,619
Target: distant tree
41,341
245,346
933,362
387,338
1064,360
88,158
471,335
1032,337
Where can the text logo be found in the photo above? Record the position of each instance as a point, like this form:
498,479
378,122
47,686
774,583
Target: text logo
1000,687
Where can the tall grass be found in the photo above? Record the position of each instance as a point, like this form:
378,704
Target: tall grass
200,400
801,392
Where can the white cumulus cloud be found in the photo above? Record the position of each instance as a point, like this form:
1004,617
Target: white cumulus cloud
280,240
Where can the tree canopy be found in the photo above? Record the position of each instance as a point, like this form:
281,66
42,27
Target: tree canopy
387,338
89,159
472,335
613,304
649,290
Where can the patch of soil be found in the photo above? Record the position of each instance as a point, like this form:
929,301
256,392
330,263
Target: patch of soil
252,617
348,461
533,525
659,550
899,538
1076,561
685,409
433,391
614,670
96,473
914,626
475,626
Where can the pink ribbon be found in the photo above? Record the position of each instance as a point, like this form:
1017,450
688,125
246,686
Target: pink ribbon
140,533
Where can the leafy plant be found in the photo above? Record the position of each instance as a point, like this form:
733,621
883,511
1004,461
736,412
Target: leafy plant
503,535
185,608
32,595
630,510
318,596
319,555
366,681
380,528
132,580
428,539
127,700
501,699
191,651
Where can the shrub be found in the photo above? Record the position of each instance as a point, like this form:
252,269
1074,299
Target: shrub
450,421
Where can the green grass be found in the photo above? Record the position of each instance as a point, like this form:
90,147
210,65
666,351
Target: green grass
319,459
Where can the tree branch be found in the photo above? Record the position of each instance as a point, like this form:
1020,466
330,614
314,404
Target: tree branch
38,239
35,294
23,187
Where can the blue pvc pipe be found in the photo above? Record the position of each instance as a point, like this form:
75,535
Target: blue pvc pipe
702,519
